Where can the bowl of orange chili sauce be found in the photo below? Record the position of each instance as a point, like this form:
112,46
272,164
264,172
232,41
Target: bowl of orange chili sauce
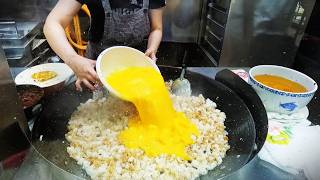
282,90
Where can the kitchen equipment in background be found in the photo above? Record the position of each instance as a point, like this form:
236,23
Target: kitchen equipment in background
117,58
17,40
181,20
42,53
248,33
171,54
263,32
212,29
14,33
55,59
280,101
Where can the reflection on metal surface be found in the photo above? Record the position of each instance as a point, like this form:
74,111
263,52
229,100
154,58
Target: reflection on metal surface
17,39
264,31
35,166
212,29
10,107
13,125
181,20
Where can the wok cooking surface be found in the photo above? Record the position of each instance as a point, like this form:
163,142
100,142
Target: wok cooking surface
57,109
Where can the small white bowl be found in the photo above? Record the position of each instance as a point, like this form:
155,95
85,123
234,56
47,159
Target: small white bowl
118,58
281,101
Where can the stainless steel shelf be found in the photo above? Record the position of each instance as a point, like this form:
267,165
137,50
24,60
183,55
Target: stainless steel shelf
211,5
214,21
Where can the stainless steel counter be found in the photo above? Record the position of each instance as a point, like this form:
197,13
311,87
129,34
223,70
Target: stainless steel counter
36,167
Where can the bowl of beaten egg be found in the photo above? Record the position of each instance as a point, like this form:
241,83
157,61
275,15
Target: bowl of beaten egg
118,58
281,89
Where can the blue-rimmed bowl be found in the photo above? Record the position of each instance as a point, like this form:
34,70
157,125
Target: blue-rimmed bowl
281,101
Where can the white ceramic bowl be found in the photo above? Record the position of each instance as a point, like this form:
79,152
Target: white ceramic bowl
117,58
63,73
281,101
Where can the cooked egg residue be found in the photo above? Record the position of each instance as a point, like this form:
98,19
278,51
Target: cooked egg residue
160,129
44,75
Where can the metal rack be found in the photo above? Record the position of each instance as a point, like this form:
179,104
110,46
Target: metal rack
17,39
213,23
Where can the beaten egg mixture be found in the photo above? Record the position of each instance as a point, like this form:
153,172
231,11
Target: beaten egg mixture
160,129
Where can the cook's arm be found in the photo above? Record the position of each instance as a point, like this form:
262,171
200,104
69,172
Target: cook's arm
155,36
57,20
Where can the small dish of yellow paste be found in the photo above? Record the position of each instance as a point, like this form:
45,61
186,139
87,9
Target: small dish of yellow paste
43,76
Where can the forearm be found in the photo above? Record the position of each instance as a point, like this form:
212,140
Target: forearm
58,41
155,36
154,39
61,16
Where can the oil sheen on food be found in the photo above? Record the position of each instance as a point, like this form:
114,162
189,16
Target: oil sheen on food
159,129
280,83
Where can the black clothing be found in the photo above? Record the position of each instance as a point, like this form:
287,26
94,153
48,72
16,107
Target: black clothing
98,14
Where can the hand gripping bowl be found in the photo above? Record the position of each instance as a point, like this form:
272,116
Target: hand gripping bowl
281,101
117,58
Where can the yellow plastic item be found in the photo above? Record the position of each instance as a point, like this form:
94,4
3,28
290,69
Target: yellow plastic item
78,43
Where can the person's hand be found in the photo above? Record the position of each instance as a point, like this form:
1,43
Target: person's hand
84,70
151,53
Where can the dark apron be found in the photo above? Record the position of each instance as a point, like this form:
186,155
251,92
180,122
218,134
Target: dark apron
121,29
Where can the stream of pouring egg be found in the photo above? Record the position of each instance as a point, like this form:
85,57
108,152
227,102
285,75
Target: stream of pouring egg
160,129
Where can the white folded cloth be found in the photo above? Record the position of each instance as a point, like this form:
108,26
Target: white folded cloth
293,147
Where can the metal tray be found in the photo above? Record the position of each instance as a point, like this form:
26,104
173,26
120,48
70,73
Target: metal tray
14,34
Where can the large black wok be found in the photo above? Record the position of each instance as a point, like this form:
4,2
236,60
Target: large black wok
243,137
